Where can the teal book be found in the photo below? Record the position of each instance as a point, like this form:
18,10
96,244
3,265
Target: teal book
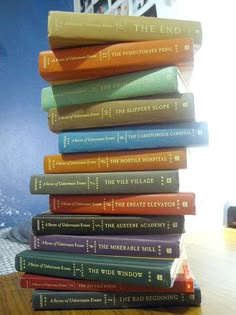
72,300
148,82
134,137
136,270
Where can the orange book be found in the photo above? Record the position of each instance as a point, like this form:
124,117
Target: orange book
134,204
90,62
129,160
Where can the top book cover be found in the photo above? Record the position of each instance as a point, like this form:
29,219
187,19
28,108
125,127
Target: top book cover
73,29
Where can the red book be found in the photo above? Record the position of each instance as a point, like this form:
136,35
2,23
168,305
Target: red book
134,204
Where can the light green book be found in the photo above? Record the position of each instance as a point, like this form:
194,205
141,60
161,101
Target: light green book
135,84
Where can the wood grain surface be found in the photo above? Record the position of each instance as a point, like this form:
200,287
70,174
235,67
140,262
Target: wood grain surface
212,256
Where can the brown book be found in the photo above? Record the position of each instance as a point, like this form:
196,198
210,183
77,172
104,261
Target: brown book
96,61
144,110
129,160
73,29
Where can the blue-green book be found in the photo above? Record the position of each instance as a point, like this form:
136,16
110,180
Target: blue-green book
137,270
134,137
73,300
148,82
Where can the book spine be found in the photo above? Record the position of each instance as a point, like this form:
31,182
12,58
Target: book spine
83,63
50,300
93,270
136,204
31,281
134,84
107,225
99,245
66,29
152,109
132,137
136,160
185,68
106,183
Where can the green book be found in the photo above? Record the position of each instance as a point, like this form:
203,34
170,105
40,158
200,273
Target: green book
160,181
136,270
149,82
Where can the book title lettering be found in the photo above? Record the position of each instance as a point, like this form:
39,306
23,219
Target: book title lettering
107,52
109,225
127,137
161,29
128,181
118,204
112,272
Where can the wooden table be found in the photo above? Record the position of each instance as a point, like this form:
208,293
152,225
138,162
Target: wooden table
212,256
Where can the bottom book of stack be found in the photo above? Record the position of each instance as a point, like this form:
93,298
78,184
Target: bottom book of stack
80,281
46,299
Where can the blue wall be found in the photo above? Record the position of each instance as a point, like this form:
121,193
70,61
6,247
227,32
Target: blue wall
24,136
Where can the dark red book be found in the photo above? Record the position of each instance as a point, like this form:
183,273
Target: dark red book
135,204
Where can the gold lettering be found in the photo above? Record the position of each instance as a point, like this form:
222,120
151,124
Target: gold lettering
109,181
109,225
116,54
93,270
125,299
138,298
109,272
130,274
122,181
103,246
161,107
120,204
137,181
136,204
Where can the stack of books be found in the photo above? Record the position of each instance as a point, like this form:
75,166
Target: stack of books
114,234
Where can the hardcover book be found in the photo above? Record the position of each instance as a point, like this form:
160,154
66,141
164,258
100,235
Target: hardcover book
133,270
184,282
135,204
133,111
186,69
106,182
83,63
134,137
68,300
130,160
72,29
48,223
134,84
162,246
